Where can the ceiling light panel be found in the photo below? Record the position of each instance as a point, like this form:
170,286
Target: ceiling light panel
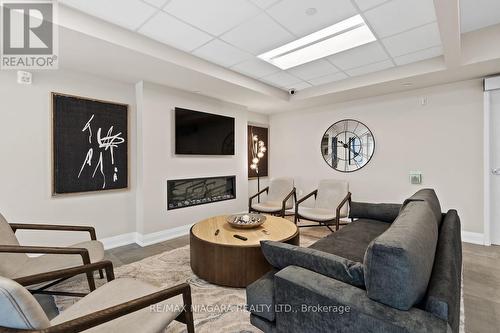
302,17
397,16
214,16
339,37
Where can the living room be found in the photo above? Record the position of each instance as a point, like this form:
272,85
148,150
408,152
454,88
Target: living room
249,165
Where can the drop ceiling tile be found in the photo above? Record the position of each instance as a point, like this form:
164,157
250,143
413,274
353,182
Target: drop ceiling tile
419,56
169,30
258,35
367,4
413,40
313,69
129,14
292,14
370,68
156,3
359,56
264,3
221,53
327,79
400,15
281,79
478,14
255,68
214,16
299,86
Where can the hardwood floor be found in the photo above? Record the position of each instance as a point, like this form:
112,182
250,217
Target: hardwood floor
481,277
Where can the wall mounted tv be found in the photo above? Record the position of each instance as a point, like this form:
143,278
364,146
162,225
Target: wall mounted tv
200,133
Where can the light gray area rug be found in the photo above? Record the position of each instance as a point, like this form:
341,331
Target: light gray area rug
217,309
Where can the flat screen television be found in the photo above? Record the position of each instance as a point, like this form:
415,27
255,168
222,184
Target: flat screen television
200,133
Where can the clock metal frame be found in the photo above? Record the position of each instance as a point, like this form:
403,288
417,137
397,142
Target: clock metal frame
358,137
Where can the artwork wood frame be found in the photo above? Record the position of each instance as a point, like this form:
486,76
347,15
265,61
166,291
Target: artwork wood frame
263,134
89,145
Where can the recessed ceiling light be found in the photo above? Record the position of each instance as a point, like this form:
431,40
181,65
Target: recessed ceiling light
339,37
407,84
311,11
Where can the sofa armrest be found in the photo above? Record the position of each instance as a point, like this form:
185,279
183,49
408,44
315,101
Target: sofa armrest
281,255
312,302
385,212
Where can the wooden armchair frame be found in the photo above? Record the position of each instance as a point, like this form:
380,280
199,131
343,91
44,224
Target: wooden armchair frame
336,220
100,317
281,212
62,274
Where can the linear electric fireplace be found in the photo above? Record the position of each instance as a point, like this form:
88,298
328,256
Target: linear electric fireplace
198,191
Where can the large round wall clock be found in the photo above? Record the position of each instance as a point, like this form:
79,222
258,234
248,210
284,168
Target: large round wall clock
348,145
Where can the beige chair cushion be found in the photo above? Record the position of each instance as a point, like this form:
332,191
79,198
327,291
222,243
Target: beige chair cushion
9,262
267,207
331,192
52,262
120,291
316,214
279,188
19,309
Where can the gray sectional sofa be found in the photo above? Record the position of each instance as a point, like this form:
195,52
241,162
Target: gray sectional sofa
395,268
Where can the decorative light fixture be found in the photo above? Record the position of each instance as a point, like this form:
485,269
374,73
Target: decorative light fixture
258,151
339,37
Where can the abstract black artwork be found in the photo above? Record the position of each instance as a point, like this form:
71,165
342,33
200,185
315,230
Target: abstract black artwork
90,145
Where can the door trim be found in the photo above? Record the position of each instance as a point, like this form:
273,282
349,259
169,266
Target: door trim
487,168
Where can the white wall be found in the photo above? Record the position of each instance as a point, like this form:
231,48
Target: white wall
157,162
443,139
26,166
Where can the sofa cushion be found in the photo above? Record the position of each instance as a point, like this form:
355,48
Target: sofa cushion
351,241
428,195
260,296
374,211
398,264
443,294
281,255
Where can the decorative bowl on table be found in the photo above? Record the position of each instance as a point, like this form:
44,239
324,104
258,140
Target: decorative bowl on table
246,221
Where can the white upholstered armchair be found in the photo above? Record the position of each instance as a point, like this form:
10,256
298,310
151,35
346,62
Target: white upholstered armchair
280,197
122,305
331,204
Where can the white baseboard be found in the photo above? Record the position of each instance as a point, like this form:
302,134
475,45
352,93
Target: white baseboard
144,240
473,237
120,240
161,236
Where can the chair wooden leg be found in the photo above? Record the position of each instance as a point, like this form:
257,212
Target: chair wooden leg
101,274
91,281
188,312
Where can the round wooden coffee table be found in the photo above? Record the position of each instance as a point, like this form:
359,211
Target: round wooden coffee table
228,261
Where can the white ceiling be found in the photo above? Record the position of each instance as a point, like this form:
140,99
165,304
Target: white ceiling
478,14
231,33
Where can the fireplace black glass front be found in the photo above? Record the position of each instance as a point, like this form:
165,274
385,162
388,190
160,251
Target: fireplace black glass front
183,193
